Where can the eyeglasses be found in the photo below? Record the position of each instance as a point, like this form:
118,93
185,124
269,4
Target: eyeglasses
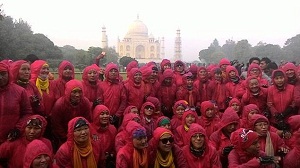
166,140
149,108
261,125
197,136
179,65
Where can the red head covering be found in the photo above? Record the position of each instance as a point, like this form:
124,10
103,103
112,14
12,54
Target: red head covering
87,70
131,64
294,123
289,66
143,107
128,109
155,102
186,113
62,66
231,68
248,108
279,71
224,61
234,100
72,84
71,125
243,138
168,73
179,62
96,112
3,67
257,118
157,133
164,62
33,150
35,68
14,70
252,66
229,116
128,117
204,106
109,67
197,129
132,72
40,118
146,71
182,103
193,69
133,126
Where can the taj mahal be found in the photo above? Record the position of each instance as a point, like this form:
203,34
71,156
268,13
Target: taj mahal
142,46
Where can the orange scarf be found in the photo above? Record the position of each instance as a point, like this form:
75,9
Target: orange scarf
84,151
140,159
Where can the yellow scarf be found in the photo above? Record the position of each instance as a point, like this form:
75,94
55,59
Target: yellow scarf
42,85
84,151
140,159
168,162
186,128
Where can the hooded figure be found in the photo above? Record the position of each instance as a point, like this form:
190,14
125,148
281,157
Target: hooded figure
179,71
114,93
91,84
80,150
14,104
181,138
147,120
280,97
199,153
105,132
65,74
122,136
290,70
135,88
236,105
208,119
164,122
150,79
134,154
292,159
20,75
33,128
294,124
72,104
163,152
166,93
202,82
254,70
233,85
247,113
39,76
38,154
220,139
179,107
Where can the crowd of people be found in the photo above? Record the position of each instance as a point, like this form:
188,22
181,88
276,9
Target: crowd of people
163,115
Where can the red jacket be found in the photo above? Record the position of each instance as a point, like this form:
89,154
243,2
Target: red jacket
135,92
114,93
209,124
64,155
297,95
292,159
217,92
294,124
233,88
176,120
63,111
210,157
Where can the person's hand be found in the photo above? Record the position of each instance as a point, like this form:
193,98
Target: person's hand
267,160
227,150
286,135
13,134
283,150
100,56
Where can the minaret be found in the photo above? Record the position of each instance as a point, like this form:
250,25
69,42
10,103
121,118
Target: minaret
104,38
177,55
162,48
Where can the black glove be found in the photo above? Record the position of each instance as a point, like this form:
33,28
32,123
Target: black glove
110,160
267,113
13,134
266,160
35,101
114,120
279,117
164,108
288,111
96,102
227,150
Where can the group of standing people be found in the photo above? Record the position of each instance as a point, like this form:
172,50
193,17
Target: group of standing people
162,115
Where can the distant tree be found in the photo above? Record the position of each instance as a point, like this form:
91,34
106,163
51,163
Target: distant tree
93,53
206,54
292,49
243,51
69,53
274,52
125,60
228,49
111,56
1,12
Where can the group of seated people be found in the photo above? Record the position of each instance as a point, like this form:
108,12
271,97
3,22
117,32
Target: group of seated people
158,116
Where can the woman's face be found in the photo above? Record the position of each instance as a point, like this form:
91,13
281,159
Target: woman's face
232,74
140,143
104,117
210,112
82,134
236,107
32,132
202,73
252,112
254,72
148,110
76,96
134,110
190,119
24,72
279,81
254,148
68,72
261,128
290,73
92,75
44,72
165,143
137,77
179,111
113,74
254,85
198,140
41,161
179,68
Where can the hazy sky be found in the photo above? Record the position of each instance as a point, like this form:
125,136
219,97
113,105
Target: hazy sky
78,23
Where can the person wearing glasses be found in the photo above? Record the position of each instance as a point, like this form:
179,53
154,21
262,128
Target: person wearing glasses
147,120
199,153
163,152
179,71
